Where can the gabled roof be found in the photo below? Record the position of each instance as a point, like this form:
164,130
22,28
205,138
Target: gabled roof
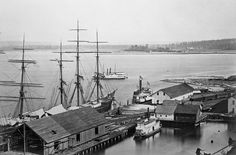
177,90
171,102
65,124
79,120
165,109
187,109
48,129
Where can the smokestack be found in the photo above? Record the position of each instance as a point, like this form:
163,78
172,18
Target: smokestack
140,84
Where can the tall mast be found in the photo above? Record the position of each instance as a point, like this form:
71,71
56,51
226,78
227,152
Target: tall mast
62,82
97,64
77,65
78,84
20,99
97,58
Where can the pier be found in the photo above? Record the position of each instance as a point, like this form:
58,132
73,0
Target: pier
116,135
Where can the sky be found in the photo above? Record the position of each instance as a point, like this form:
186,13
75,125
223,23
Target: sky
118,21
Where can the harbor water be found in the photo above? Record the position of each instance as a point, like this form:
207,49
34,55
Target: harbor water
152,67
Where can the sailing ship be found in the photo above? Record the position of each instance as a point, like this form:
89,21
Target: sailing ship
19,116
143,94
63,95
102,103
147,128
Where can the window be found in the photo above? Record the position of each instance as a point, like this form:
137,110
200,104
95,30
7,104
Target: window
56,145
233,102
158,93
78,137
96,130
164,93
166,115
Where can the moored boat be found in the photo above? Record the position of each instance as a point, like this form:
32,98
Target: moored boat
102,103
109,75
21,113
147,128
143,94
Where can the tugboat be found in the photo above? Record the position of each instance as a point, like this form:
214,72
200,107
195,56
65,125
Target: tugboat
143,94
147,128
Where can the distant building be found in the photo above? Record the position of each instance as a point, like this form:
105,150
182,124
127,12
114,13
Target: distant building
232,104
177,92
60,132
213,106
210,96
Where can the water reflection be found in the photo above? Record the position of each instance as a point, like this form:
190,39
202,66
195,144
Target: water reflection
172,141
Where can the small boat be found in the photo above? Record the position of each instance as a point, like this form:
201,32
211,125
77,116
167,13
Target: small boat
143,94
115,76
147,128
109,75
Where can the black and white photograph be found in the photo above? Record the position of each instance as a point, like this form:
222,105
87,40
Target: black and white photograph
117,77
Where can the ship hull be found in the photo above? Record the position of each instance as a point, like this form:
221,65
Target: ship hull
106,103
146,102
146,129
142,137
123,78
105,106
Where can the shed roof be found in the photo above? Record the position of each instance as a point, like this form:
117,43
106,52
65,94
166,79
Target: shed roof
65,124
48,129
211,103
165,109
171,102
187,109
79,120
177,90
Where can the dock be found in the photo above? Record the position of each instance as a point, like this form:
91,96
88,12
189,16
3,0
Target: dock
116,134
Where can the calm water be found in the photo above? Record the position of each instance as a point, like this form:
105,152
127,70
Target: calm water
152,68
176,142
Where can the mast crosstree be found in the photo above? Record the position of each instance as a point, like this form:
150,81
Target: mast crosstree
78,87
22,97
63,96
98,85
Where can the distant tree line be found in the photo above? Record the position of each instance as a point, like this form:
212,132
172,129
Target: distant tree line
223,44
